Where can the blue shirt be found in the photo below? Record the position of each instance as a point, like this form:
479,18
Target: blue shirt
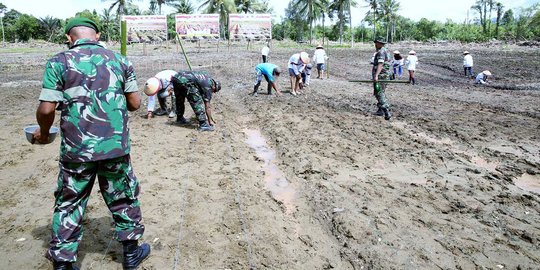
266,69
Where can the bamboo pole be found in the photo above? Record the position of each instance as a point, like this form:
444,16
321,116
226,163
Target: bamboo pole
183,52
123,39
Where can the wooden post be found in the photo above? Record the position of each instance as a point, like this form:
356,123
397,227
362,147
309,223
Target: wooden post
145,52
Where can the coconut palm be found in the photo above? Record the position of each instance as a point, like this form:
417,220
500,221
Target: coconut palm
311,10
108,23
373,14
342,8
183,6
50,25
121,6
161,2
388,11
223,7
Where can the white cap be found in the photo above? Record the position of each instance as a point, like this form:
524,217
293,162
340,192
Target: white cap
466,52
151,86
412,52
487,72
396,52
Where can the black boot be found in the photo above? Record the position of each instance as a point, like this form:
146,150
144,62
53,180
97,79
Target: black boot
162,107
64,266
387,114
134,254
379,112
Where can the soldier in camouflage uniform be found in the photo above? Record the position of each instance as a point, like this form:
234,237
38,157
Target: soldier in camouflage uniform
94,88
381,61
197,87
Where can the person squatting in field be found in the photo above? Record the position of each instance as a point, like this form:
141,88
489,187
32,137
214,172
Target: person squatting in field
94,88
381,62
197,87
482,77
160,86
297,63
270,72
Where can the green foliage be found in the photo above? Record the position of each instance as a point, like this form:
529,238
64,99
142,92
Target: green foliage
303,19
183,7
26,27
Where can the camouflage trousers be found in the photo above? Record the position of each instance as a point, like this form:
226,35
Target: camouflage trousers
379,93
119,188
194,97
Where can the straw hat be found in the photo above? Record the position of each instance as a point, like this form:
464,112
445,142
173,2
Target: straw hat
151,86
487,72
319,46
412,52
465,52
396,52
304,56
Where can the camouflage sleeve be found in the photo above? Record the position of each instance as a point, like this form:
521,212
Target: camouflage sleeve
131,79
380,57
205,84
53,81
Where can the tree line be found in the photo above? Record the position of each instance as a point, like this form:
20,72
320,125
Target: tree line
304,21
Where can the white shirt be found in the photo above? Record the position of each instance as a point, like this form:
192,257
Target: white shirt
319,56
265,51
411,62
481,78
396,62
467,61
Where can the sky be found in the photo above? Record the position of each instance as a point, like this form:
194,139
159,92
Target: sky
439,10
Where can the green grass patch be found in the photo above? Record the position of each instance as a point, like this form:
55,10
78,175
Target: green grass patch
20,50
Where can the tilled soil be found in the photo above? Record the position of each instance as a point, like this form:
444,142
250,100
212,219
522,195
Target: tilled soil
308,182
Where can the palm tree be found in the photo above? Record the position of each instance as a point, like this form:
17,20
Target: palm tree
388,11
161,2
341,8
51,25
223,7
107,23
373,13
121,6
183,7
311,9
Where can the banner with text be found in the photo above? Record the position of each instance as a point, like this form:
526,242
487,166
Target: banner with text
146,29
197,27
250,26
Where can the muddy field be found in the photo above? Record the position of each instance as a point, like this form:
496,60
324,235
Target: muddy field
307,182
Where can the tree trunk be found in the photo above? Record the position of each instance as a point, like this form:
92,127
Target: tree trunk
323,32
350,24
310,31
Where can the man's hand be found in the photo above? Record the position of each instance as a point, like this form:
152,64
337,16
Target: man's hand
40,137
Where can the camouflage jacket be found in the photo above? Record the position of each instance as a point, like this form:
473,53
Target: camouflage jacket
89,84
384,57
199,79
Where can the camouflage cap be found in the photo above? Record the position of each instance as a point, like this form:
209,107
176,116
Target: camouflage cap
81,21
379,39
